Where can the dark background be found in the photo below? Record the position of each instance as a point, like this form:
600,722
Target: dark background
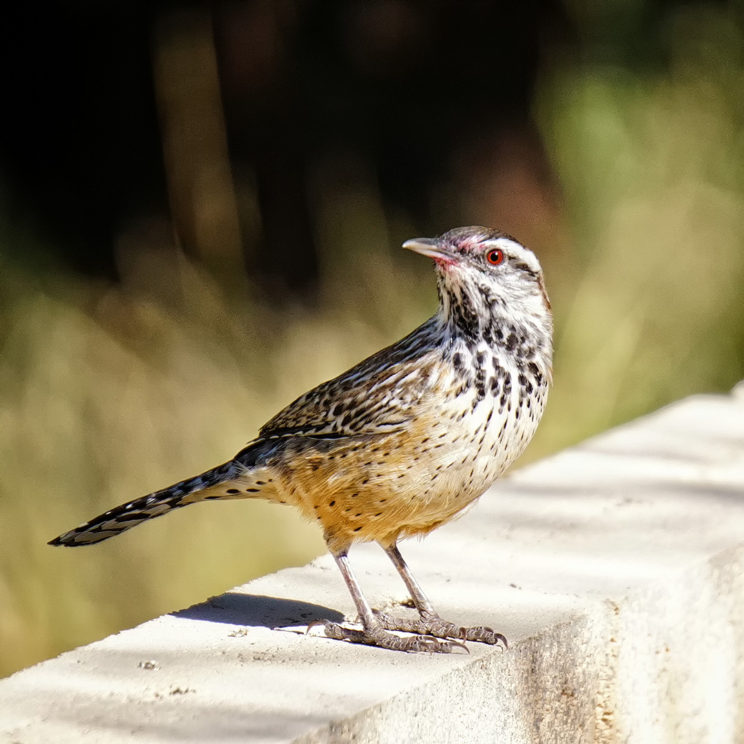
411,87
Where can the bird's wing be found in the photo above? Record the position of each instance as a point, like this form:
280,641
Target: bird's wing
373,397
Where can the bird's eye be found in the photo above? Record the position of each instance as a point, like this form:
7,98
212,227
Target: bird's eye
495,256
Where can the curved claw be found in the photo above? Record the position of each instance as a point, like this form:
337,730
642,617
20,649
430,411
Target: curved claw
483,634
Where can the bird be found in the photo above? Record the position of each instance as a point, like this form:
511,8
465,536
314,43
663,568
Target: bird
403,441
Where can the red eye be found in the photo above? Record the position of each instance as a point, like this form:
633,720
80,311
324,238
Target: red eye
495,256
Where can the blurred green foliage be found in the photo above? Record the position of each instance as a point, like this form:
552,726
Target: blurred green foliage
649,304
111,391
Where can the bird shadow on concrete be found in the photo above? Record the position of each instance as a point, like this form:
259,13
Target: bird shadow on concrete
257,610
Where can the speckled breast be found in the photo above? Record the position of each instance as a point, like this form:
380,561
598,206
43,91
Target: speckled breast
473,419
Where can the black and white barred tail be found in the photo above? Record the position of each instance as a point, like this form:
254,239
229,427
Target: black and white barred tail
239,478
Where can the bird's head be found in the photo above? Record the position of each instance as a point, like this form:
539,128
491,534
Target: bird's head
485,277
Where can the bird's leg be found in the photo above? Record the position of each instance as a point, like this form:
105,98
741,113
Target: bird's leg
429,623
373,633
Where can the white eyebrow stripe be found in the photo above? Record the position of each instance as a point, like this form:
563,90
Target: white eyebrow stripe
513,248
508,243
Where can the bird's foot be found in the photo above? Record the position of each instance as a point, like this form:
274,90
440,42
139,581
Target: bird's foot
377,636
430,624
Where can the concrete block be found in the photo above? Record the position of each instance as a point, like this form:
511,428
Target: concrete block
616,570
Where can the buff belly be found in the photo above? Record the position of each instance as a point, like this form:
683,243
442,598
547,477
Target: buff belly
402,484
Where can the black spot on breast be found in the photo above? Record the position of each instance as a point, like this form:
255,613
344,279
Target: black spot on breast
232,490
480,384
464,316
535,371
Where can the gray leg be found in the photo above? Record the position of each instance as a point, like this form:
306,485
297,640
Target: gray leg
429,622
420,600
373,633
365,611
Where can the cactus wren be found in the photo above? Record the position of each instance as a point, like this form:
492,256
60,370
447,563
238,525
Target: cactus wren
407,438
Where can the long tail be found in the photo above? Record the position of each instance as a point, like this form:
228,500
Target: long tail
236,479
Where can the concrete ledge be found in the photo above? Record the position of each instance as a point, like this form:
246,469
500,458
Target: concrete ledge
616,570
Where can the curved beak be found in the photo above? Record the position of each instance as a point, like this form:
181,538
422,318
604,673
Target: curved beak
430,247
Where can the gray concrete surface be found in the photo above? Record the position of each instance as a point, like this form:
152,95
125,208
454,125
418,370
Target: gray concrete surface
615,568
